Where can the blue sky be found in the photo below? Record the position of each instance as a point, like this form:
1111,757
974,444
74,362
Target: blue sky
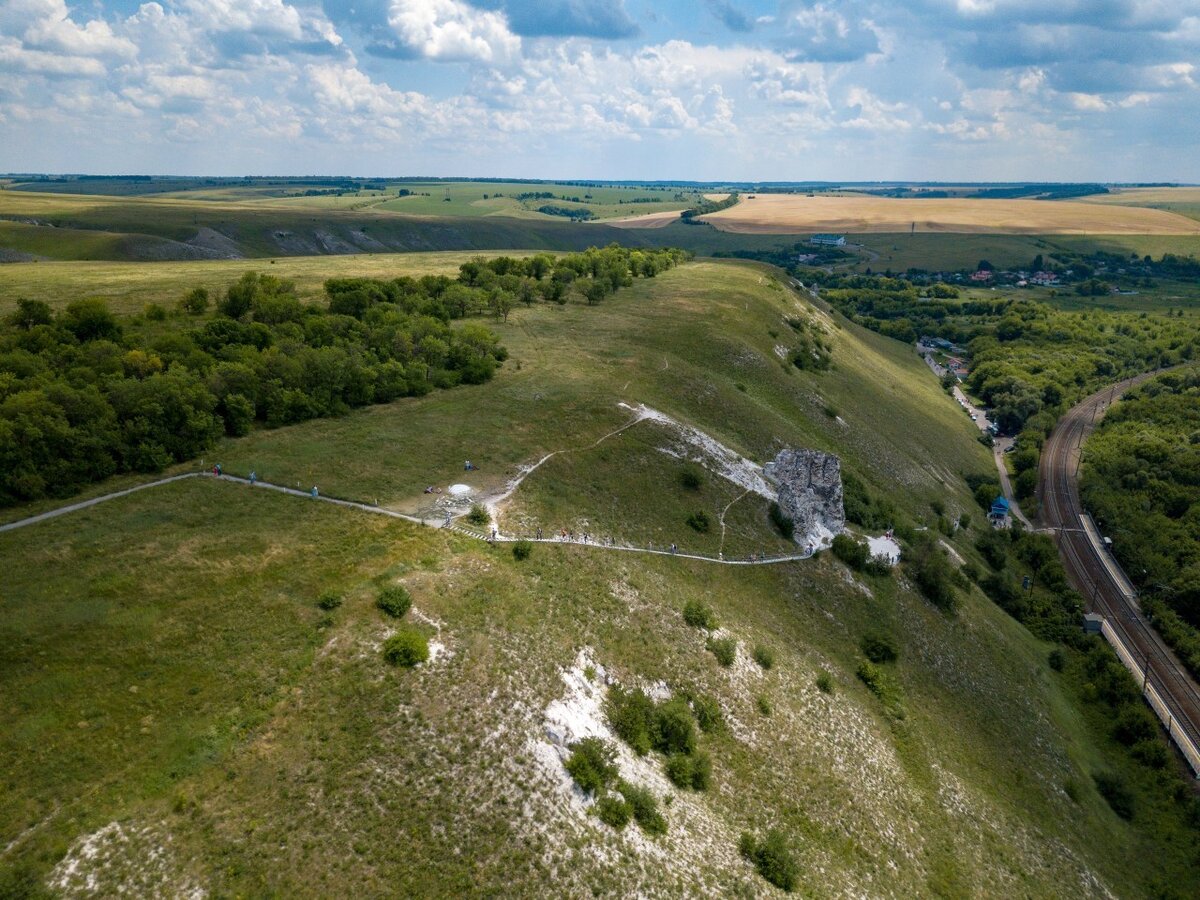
980,90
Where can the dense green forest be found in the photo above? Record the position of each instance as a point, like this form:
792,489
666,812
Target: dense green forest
1141,478
85,394
1029,361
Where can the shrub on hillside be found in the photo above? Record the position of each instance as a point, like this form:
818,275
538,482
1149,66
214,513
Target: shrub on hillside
930,568
1115,792
674,728
522,549
394,601
854,553
764,656
825,683
878,648
645,808
613,811
632,716
329,601
772,857
724,649
406,648
692,771
690,477
699,615
1134,723
592,764
1151,752
707,711
478,516
763,702
699,521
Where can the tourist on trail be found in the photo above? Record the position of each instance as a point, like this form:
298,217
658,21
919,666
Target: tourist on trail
219,470
253,477
314,492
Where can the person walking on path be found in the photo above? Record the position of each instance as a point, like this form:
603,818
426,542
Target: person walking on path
253,477
314,492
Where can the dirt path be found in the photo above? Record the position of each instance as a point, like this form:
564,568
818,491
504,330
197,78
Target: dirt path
728,506
391,513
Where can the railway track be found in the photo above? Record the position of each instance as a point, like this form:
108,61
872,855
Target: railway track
1166,684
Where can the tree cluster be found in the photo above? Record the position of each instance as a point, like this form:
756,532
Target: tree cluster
1142,480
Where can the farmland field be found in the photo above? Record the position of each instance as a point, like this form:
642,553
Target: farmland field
783,213
1182,200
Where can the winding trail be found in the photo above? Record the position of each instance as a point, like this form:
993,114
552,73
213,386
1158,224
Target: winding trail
391,513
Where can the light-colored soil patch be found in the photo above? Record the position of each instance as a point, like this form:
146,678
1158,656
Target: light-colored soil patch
123,860
791,213
650,220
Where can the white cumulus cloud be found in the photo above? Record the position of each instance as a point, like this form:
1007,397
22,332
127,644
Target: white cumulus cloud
452,30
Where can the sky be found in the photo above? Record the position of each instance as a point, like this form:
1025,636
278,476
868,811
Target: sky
853,90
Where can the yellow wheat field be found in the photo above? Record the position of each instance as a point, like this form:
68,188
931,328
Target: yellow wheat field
792,213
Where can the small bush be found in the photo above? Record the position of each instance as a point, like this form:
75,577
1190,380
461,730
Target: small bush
764,705
708,713
1135,723
1115,792
674,729
825,683
394,601
1057,660
878,648
690,477
1152,753
644,807
690,770
632,716
478,516
329,601
154,312
699,615
724,649
406,648
699,521
772,858
613,811
764,656
782,522
592,764
853,553
872,676
194,301
522,549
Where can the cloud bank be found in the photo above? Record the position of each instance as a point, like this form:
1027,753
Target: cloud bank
798,89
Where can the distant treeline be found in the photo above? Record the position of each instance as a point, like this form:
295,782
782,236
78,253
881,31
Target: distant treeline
705,206
85,394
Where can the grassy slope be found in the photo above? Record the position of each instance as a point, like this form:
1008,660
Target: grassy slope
672,343
282,759
281,228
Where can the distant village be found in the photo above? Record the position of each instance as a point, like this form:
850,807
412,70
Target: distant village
1093,274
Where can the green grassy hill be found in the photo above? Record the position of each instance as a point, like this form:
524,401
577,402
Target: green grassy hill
182,717
61,226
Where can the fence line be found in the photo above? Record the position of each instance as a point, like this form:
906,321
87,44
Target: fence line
1181,738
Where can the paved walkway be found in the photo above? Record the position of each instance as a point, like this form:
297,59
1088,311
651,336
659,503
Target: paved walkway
371,508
